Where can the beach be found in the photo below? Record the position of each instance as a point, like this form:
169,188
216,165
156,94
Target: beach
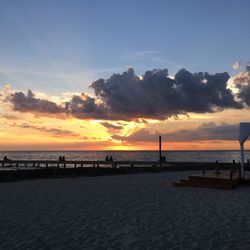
139,211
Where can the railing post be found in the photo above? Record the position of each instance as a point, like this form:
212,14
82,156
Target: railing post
217,172
231,175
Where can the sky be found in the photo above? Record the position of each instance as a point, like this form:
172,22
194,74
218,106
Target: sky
110,75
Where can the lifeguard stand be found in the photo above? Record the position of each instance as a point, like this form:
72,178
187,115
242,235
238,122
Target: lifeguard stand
244,132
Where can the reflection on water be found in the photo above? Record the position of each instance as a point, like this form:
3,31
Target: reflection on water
186,156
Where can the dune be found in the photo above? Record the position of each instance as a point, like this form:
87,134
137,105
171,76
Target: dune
141,211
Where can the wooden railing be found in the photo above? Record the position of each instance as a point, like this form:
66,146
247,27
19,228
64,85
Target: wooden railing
75,164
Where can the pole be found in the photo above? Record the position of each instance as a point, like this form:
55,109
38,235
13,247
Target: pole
242,160
160,150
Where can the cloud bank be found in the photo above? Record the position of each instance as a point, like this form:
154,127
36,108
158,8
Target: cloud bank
205,132
154,95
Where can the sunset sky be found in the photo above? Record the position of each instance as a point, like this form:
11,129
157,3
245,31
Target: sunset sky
114,75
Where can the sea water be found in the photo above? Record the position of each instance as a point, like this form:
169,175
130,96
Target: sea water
178,156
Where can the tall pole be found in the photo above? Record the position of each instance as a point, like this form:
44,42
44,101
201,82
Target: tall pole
242,172
160,150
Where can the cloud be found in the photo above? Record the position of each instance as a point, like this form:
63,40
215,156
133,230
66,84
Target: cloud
28,103
112,126
240,64
84,107
157,96
56,132
142,53
141,135
128,97
205,132
80,106
236,65
242,82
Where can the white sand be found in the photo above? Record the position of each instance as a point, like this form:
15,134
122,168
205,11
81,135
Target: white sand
141,211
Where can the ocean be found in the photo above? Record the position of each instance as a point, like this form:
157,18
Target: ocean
178,156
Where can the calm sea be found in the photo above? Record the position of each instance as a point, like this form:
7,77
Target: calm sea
186,156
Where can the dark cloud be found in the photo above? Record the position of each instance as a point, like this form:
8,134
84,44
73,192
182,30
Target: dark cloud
207,131
84,107
111,126
242,81
158,96
29,103
203,92
130,97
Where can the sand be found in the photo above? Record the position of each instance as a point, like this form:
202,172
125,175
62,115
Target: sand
142,211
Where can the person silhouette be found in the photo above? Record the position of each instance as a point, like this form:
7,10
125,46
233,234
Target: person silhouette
5,158
110,158
107,158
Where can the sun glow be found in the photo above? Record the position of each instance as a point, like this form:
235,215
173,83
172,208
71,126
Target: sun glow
121,147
